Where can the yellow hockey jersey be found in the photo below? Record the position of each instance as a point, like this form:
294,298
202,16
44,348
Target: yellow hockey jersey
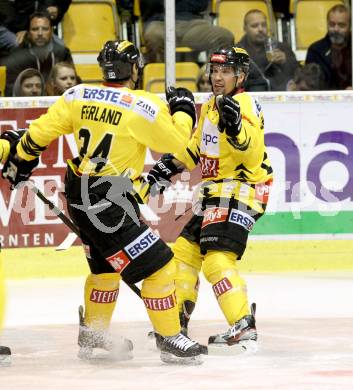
4,149
112,128
228,168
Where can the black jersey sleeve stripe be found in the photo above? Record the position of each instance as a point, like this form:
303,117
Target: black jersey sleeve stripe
195,158
30,147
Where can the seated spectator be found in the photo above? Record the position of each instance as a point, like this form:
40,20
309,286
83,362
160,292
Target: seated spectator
29,83
306,78
62,77
14,17
269,71
38,51
203,80
191,29
333,52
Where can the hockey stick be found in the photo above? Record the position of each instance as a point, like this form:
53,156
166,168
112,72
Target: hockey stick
67,221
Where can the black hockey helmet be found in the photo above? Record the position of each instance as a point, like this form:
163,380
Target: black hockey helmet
236,57
117,58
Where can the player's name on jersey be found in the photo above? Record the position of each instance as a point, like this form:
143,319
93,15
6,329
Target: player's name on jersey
100,114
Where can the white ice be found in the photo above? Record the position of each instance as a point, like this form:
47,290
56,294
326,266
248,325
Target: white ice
305,325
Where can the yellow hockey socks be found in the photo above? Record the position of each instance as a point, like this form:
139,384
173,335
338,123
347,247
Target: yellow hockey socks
158,294
229,288
188,261
101,292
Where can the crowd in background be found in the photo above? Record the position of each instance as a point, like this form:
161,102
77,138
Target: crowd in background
38,62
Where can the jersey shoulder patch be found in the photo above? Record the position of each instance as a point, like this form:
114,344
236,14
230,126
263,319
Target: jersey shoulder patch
146,107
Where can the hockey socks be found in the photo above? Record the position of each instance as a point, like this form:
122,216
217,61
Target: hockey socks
229,288
101,292
158,294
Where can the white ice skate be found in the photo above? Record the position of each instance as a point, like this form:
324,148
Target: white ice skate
179,349
240,338
5,356
99,345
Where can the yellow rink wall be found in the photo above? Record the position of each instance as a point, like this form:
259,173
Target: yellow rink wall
260,257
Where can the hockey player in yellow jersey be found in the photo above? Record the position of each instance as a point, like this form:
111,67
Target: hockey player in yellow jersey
5,352
236,179
113,124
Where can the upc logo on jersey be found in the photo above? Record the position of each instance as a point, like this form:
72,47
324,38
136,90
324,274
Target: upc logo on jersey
222,287
99,296
146,109
240,218
214,215
210,139
159,304
119,261
143,242
209,166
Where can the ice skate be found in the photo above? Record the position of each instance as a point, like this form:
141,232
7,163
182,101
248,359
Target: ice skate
179,349
5,356
240,338
90,340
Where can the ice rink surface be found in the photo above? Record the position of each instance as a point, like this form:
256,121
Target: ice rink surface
305,325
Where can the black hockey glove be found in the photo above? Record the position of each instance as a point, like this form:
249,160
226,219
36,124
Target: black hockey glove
229,115
181,99
161,173
16,170
12,135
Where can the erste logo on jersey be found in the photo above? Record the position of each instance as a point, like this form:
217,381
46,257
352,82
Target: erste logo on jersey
240,218
119,261
214,215
140,245
209,166
126,100
147,109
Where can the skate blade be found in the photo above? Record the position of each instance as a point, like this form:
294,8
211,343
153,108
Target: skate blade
169,358
5,360
151,344
117,353
248,347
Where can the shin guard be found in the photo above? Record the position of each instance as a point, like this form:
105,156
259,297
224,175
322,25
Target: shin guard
229,288
101,292
158,294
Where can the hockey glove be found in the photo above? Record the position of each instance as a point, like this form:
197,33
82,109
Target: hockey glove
181,99
12,135
229,115
161,173
17,170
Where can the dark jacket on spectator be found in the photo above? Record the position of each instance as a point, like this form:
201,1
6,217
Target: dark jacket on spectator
26,56
14,14
321,53
265,76
184,9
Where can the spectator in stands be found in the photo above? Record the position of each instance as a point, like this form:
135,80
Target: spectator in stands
306,78
203,80
29,83
333,52
14,17
269,71
62,77
191,28
38,51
